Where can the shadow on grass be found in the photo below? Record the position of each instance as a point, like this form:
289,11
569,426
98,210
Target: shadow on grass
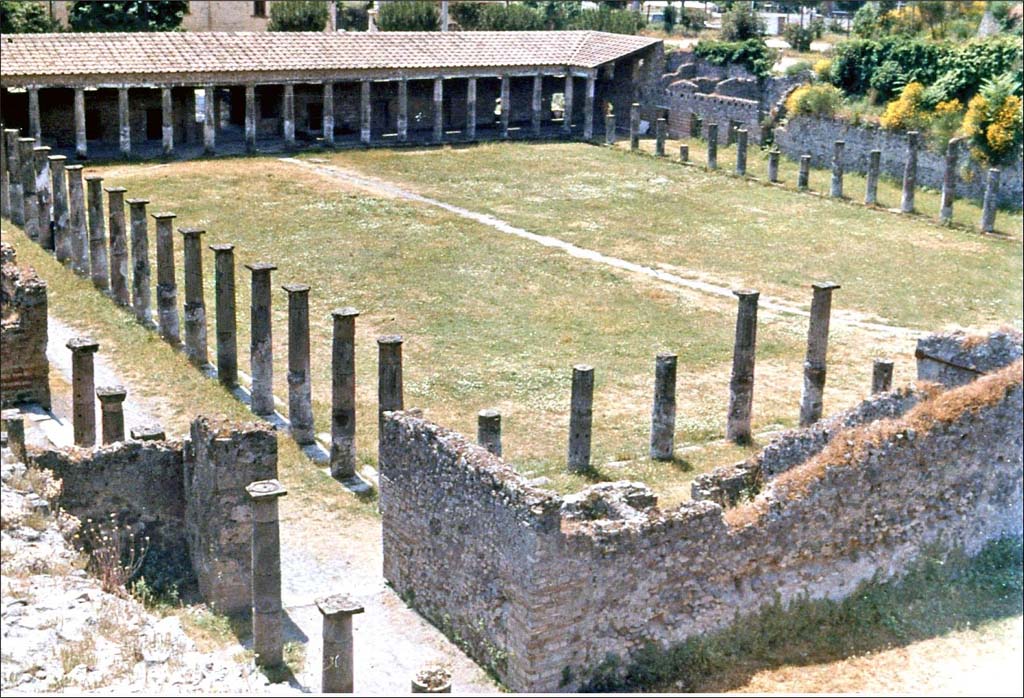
939,594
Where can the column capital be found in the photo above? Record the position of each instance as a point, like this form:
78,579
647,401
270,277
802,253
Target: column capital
137,202
57,158
264,490
83,345
219,249
344,312
296,288
339,605
164,215
91,177
390,339
192,232
825,286
260,267
111,394
114,190
745,293
75,168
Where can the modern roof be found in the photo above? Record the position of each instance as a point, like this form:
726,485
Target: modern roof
71,55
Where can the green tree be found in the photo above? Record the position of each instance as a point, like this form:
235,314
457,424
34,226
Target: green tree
353,16
741,23
495,17
130,16
668,19
25,18
298,16
408,16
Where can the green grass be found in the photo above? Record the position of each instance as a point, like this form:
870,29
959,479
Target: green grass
939,594
904,270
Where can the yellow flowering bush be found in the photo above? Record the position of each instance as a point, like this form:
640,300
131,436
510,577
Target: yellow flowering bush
814,100
906,111
822,68
993,123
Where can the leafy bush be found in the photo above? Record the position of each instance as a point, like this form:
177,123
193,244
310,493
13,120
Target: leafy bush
298,16
408,16
798,37
993,122
605,19
814,100
823,68
500,17
888,80
25,18
692,19
741,23
753,54
906,112
966,66
865,21
944,123
668,19
133,16
854,63
798,68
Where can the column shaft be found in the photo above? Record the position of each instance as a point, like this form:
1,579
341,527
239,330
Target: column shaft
535,103
337,661
874,168
569,105
684,153
910,174
581,415
712,146
471,109
741,384
141,273
663,412
660,133
300,398
328,118
34,127
209,120
83,390
166,283
817,351
81,144
76,221
5,187
389,380
588,109
634,126
250,118
118,246
741,152
343,394
506,105
61,223
609,129
267,632
988,205
16,209
438,110
773,166
288,115
261,346
124,122
195,306
949,181
365,113
836,190
167,120
881,376
224,299
112,413
44,196
29,201
94,243
804,176
488,430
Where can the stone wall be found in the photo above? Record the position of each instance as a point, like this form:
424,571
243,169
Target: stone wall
957,358
805,135
685,100
543,588
24,370
219,461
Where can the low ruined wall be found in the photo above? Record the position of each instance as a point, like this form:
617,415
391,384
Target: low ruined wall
684,101
219,461
24,369
806,135
554,585
957,358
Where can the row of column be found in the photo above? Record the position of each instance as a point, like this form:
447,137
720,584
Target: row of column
288,113
949,181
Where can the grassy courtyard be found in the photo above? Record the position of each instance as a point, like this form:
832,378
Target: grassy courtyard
491,320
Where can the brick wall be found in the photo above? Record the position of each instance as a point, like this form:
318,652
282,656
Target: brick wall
24,370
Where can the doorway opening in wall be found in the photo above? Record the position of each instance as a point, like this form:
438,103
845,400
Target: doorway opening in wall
314,117
93,125
154,124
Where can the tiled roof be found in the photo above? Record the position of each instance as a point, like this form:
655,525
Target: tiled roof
73,54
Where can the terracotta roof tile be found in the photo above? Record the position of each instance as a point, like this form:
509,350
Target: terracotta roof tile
75,54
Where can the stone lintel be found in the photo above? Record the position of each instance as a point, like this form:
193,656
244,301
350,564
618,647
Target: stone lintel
339,605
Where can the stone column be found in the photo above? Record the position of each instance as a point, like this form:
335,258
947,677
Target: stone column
224,304
836,191
124,123
141,274
881,376
741,152
16,210
696,125
76,221
29,201
118,246
488,430
910,174
34,128
195,307
949,181
535,102
81,143
506,105
660,128
5,188
741,384
209,120
634,126
365,113
471,109
337,674
14,425
44,196
581,414
402,121
609,129
588,109
112,410
438,110
261,346
328,119
684,153
663,412
988,205
712,146
61,225
250,118
95,242
343,394
567,118
874,167
167,121
166,283
83,390
288,115
267,633
804,176
389,380
817,349
300,396
773,165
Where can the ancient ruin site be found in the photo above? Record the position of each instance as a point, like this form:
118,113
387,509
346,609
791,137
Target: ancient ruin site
425,350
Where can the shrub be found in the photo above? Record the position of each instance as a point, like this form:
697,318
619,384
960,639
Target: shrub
741,23
865,21
944,123
814,100
408,16
140,15
510,18
668,19
752,54
25,18
116,553
823,68
888,80
905,112
605,19
993,123
692,19
297,16
798,37
798,68
854,63
965,67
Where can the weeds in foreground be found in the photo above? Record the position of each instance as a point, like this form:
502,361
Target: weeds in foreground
116,552
940,593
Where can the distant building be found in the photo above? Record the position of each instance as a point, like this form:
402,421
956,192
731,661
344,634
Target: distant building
203,15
